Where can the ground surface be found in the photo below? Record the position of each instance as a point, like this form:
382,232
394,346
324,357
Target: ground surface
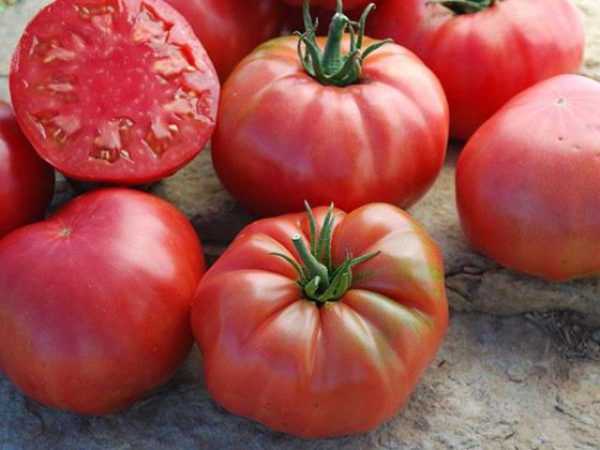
529,381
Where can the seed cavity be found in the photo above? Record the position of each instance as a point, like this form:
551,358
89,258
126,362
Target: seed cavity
173,61
78,43
108,143
148,28
88,10
125,126
50,50
185,104
161,136
197,82
60,85
110,155
103,23
56,126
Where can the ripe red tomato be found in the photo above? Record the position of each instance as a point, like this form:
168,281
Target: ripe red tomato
116,91
485,58
230,29
26,182
528,182
337,361
330,4
96,300
283,136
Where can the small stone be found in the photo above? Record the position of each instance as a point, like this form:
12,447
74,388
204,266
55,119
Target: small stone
517,373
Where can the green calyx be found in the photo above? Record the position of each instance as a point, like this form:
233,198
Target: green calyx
466,6
329,66
320,281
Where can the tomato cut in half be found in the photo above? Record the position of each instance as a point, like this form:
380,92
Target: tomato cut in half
116,91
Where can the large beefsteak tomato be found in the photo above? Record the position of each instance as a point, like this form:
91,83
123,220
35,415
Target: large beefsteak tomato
349,128
230,29
298,335
117,91
528,181
26,181
95,301
484,51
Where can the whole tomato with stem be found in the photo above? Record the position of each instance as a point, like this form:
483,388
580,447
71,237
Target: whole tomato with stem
527,182
322,325
96,300
26,181
113,91
484,51
326,120
230,29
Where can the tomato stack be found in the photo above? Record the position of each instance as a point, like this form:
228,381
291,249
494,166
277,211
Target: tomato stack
317,322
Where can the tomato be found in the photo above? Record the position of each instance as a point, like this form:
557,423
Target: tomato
117,91
230,29
337,361
485,58
330,4
26,182
527,183
96,300
284,136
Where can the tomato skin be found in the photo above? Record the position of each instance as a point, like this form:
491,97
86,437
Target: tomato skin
527,182
96,300
26,181
486,58
330,4
230,29
343,368
283,138
113,91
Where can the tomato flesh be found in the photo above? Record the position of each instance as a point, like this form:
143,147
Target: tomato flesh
116,91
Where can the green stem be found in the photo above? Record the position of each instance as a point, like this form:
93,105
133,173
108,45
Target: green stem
466,6
313,267
331,66
320,281
332,55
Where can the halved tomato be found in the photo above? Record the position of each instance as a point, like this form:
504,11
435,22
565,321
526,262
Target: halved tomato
115,91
